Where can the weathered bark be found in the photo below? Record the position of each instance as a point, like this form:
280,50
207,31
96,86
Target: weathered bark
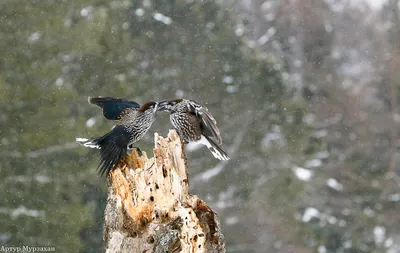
149,208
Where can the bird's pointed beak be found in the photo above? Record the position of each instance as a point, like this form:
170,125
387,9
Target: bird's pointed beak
156,107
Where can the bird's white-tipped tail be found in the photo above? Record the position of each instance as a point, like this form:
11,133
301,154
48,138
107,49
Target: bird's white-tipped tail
218,154
87,143
214,149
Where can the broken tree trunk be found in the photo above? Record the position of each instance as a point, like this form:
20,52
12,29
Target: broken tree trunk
149,208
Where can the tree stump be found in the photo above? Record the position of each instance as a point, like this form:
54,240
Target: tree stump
149,208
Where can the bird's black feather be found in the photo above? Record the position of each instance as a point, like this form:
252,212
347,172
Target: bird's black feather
113,147
216,150
209,126
113,107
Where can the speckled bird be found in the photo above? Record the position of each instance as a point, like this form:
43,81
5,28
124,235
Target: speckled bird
194,123
133,121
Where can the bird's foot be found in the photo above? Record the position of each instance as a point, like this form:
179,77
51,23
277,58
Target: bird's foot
138,150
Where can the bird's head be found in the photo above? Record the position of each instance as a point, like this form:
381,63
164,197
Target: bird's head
149,107
168,105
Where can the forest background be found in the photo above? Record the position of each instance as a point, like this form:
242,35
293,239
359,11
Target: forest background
305,93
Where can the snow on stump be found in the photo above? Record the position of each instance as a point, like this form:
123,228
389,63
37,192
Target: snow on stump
149,208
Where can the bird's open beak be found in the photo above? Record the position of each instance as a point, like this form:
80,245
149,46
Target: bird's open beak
162,105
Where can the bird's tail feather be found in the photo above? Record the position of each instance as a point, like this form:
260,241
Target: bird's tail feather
113,147
89,143
215,149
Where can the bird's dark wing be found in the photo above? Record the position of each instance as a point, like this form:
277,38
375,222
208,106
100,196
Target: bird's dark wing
209,124
113,147
113,107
